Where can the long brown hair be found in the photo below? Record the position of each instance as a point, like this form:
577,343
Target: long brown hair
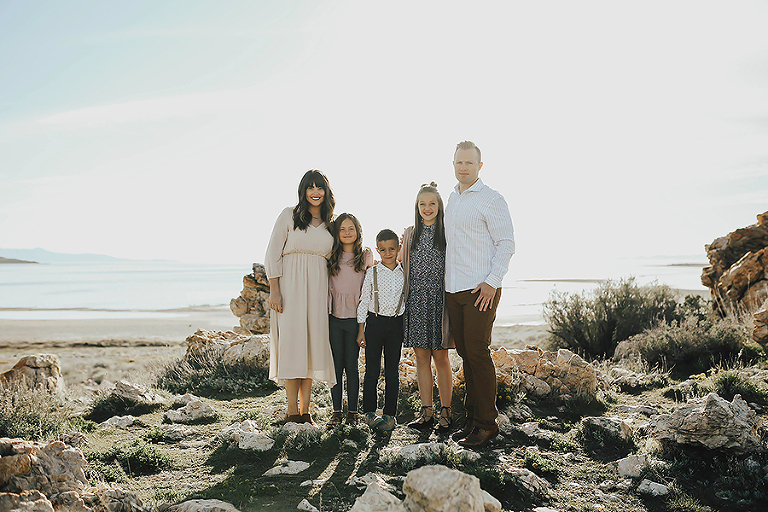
338,248
418,225
302,218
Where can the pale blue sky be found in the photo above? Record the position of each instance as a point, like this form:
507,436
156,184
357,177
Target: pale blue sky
178,130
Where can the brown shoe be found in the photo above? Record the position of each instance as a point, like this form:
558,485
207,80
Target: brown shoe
479,437
307,418
351,418
292,418
469,426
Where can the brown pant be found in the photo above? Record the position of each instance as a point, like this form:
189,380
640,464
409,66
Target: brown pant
471,330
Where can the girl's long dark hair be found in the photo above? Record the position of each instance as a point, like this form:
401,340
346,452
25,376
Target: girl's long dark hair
338,248
302,218
418,225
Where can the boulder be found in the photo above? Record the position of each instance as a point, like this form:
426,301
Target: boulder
55,471
711,422
370,478
136,393
736,276
37,371
120,421
652,488
203,506
376,499
26,501
253,350
247,436
196,410
600,427
632,466
203,341
441,489
290,467
306,506
760,331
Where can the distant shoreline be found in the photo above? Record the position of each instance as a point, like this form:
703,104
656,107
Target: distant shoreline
15,261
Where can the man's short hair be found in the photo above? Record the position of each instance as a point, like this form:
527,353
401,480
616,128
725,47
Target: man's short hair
387,234
467,145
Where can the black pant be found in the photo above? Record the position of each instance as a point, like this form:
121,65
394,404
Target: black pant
382,334
345,350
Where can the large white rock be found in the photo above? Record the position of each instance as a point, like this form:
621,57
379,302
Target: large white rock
652,488
203,506
193,411
37,371
136,393
528,479
376,499
253,350
307,506
120,421
441,489
290,467
248,436
632,466
26,501
711,422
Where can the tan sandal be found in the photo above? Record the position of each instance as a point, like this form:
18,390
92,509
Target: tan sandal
445,422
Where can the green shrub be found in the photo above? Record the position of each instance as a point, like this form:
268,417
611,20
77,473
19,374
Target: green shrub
32,414
208,375
729,383
540,465
592,324
136,458
694,344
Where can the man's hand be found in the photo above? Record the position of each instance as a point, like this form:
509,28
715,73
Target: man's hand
485,297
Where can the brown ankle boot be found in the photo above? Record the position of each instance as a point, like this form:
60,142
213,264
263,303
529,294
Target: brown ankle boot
469,425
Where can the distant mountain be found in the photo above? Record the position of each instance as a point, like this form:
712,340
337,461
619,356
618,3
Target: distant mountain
12,260
42,256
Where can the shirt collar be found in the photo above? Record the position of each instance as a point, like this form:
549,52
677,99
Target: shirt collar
382,265
476,187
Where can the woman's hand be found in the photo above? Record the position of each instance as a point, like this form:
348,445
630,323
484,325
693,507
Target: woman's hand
275,298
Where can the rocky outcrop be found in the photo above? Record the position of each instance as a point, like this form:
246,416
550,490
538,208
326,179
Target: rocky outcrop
38,371
711,422
233,347
252,306
760,331
542,373
34,476
737,276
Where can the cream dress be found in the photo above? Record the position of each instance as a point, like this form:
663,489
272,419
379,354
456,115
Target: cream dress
299,346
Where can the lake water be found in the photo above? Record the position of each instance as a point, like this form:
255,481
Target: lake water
161,289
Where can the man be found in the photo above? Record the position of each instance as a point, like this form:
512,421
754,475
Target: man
480,242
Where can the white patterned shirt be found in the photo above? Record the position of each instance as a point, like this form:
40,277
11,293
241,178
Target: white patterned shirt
390,283
480,238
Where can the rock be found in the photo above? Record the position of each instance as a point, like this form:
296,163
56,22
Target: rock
652,488
290,467
195,410
74,439
370,478
632,466
182,400
760,331
120,421
37,371
55,470
737,268
247,436
203,341
603,427
414,452
253,350
252,306
648,410
440,489
136,393
26,501
301,427
376,499
203,506
306,505
532,430
542,373
711,422
528,479
627,379
176,432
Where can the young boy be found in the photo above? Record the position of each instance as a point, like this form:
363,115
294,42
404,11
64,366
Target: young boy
380,328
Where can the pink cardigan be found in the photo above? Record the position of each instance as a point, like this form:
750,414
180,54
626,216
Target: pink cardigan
344,287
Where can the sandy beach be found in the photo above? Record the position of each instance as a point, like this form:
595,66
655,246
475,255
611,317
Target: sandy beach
102,351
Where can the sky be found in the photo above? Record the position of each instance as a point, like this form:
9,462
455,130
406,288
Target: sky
180,129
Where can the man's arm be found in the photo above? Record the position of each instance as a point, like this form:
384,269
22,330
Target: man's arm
502,232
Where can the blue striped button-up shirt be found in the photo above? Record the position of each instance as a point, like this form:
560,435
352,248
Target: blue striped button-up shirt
480,238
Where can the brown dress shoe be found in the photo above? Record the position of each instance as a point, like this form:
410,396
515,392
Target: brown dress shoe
479,437
469,426
292,418
307,418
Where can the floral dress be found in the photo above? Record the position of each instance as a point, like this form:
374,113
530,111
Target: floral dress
423,319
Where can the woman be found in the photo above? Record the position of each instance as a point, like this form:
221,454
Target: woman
297,268
426,320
